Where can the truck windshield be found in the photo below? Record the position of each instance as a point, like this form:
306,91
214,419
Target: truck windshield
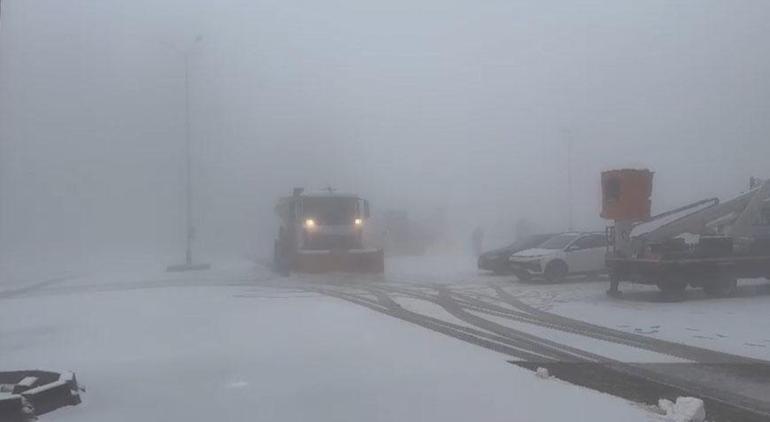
559,242
331,211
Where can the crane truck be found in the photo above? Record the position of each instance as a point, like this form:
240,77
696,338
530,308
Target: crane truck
324,232
707,244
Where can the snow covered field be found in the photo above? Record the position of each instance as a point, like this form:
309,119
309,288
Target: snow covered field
233,344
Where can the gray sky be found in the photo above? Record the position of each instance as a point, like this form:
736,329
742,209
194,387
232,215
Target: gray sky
421,105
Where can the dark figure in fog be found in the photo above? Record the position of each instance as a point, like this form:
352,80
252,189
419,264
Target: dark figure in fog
477,241
283,252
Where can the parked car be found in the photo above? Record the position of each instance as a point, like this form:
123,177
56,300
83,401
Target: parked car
497,260
562,255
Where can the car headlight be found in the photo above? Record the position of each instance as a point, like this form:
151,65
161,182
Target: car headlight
309,224
358,222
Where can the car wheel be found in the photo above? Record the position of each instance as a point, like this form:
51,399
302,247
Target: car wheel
556,271
721,287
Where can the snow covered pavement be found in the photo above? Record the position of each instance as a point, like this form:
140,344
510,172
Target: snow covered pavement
237,344
732,325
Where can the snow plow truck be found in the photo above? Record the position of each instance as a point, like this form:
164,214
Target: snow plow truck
324,232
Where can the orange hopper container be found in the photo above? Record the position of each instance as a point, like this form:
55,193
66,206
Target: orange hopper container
626,194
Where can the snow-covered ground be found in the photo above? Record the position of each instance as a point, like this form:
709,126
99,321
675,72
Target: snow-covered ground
227,344
734,325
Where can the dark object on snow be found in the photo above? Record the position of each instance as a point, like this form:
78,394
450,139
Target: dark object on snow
632,382
34,393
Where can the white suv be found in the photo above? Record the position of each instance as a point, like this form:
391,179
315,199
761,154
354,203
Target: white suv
562,255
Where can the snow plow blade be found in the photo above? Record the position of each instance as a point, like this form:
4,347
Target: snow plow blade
371,261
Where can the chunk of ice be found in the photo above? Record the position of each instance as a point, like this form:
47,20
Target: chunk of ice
686,409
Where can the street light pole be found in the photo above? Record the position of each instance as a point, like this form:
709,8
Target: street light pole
188,162
1,244
567,134
189,225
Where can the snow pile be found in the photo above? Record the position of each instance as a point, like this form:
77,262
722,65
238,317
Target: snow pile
543,373
686,409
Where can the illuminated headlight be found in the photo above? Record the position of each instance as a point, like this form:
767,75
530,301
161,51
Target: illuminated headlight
358,222
309,223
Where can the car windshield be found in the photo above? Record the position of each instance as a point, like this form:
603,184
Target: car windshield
296,210
559,242
529,242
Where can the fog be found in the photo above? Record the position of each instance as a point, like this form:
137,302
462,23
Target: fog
460,109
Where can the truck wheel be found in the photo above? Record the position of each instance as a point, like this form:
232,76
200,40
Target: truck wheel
672,289
721,287
614,290
556,271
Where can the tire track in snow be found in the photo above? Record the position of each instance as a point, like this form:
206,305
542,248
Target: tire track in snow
467,334
679,350
680,380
